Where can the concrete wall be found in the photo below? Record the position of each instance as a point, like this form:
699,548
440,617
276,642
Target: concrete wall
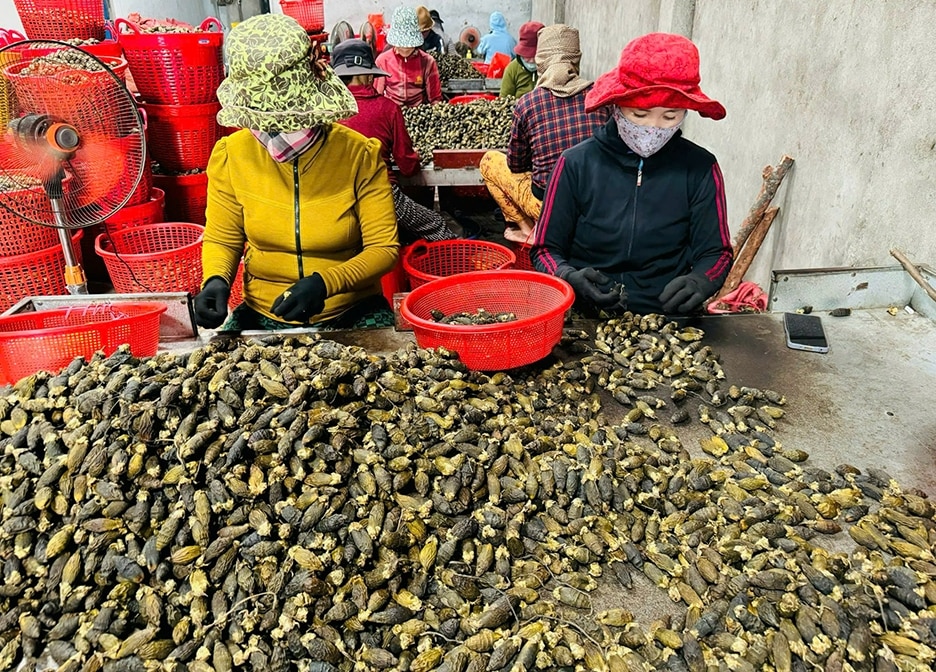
455,13
846,87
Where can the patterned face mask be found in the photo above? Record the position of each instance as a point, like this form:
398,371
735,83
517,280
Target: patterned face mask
643,140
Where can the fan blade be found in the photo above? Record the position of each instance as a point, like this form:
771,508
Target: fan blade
101,166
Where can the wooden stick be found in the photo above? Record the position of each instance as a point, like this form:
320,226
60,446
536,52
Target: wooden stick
914,272
773,176
749,251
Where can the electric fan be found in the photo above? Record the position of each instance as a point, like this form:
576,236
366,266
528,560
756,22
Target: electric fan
71,131
470,36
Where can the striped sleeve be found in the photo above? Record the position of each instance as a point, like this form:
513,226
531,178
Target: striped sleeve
710,238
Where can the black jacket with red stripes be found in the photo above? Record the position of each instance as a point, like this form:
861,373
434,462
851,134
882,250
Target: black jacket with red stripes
641,221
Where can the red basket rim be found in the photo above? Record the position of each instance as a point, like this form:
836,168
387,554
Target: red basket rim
426,248
143,256
188,178
142,39
149,308
156,195
533,277
196,110
470,98
12,69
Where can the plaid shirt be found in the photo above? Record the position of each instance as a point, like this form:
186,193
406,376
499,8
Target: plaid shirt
544,126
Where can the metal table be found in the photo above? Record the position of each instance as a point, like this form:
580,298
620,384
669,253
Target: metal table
455,87
450,168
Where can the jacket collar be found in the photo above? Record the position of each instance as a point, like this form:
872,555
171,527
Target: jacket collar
363,90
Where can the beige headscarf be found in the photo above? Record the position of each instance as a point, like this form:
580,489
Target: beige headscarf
557,61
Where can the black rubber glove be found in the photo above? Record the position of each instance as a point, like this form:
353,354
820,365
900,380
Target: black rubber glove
303,300
211,303
591,285
685,293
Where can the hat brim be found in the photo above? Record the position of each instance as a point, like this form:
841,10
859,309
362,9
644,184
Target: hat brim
608,91
352,70
528,52
292,101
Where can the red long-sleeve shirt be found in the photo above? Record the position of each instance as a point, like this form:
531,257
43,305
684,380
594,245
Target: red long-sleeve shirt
413,80
381,118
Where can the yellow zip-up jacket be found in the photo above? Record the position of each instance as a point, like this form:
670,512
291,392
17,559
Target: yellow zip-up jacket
330,211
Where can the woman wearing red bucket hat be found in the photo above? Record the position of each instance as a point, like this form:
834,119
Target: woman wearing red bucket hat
634,218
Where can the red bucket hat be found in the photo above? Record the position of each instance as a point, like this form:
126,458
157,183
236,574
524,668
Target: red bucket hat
656,70
526,45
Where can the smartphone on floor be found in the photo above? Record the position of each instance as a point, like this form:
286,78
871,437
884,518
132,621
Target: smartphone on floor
805,332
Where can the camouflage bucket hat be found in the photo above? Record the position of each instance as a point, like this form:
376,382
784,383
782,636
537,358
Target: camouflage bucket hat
273,84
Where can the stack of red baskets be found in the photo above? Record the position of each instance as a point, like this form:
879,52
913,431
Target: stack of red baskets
31,259
177,75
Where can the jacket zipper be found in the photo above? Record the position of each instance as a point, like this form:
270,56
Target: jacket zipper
630,243
296,216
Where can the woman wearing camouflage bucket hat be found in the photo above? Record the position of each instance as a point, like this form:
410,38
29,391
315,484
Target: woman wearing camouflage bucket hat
413,76
309,198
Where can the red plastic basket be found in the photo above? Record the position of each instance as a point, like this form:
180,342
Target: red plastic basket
522,250
181,137
49,340
40,273
309,13
62,19
186,196
68,98
153,258
175,68
237,288
21,236
539,301
129,216
142,192
9,36
471,97
424,262
104,49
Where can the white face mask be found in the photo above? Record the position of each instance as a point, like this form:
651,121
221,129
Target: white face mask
643,140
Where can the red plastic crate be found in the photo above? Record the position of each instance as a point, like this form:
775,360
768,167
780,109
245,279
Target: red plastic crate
175,68
141,214
21,236
186,196
66,97
49,340
181,137
40,273
424,262
153,258
61,19
310,14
